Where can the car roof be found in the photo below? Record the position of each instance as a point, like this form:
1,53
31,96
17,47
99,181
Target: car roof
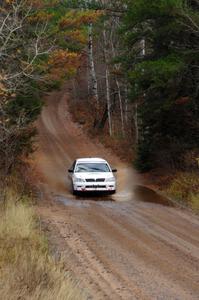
91,159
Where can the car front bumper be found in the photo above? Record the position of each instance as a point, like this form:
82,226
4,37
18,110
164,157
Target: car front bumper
94,187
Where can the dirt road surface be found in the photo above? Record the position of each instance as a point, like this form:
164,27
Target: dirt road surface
131,246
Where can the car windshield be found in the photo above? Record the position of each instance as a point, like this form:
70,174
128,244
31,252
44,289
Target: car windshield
92,167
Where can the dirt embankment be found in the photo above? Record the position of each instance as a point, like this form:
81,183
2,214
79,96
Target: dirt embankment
126,247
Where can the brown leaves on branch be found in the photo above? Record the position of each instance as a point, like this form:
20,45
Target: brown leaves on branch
76,18
61,64
76,35
41,16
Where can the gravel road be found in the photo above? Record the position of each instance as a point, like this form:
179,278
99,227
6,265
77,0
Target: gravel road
134,245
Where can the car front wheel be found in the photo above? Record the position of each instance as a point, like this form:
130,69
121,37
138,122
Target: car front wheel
112,192
74,192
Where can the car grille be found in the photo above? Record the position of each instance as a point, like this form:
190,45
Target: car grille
95,180
100,179
95,186
90,180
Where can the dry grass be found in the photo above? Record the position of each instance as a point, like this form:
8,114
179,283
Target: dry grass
185,188
27,270
195,201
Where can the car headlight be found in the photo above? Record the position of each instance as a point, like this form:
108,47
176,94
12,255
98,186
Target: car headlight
79,180
110,179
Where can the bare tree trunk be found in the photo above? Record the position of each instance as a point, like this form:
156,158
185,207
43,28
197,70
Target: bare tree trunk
108,97
136,117
108,100
121,107
143,47
126,104
119,94
88,74
92,83
136,124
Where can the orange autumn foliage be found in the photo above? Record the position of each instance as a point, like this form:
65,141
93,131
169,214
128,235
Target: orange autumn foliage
77,36
62,64
78,18
41,16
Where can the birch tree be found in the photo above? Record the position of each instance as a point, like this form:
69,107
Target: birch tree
92,80
117,67
107,76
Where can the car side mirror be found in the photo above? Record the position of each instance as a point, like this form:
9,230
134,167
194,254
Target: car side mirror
70,170
114,170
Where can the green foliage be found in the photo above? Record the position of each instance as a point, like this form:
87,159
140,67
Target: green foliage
143,160
143,9
53,85
82,4
164,79
156,74
27,103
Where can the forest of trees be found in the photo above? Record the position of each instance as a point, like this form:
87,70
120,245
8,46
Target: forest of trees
130,71
164,80
143,78
40,48
141,60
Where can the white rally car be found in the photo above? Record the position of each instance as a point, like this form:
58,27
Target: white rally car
92,175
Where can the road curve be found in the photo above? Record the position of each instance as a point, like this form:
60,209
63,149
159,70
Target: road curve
121,247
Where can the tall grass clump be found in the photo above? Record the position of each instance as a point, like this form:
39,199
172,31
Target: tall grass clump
185,189
27,271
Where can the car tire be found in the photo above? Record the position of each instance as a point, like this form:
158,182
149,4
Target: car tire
74,193
112,192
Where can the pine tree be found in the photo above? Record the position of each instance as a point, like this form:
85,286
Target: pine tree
164,81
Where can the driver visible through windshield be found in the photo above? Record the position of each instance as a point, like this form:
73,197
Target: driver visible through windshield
92,167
